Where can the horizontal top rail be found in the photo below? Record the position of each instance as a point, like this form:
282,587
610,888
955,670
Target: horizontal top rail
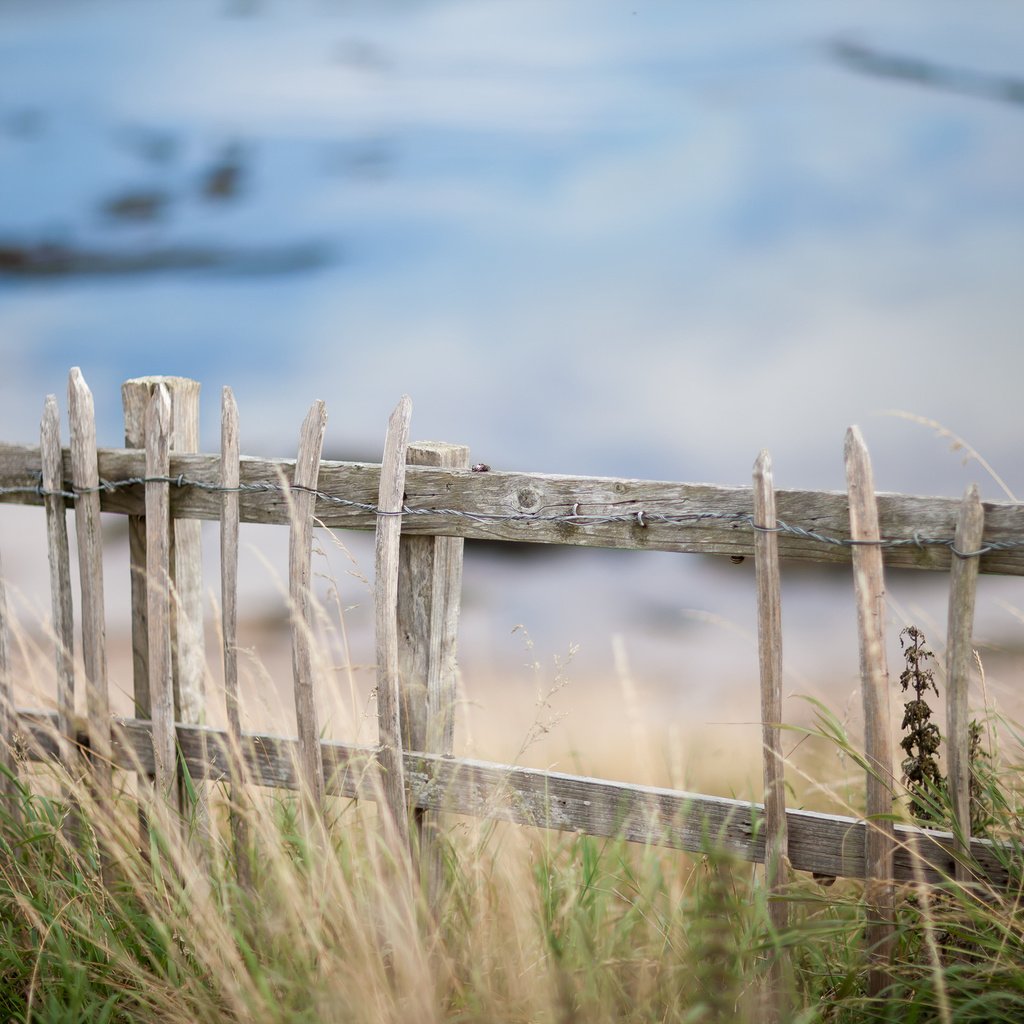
812,526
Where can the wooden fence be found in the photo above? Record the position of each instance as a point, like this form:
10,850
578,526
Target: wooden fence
422,500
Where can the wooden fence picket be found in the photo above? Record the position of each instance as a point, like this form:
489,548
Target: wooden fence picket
300,553
869,587
229,449
427,609
85,477
60,580
769,646
963,580
158,579
386,557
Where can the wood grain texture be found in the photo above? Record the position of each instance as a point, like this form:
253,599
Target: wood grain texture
84,473
482,495
385,596
229,446
823,843
769,645
869,588
429,598
300,554
60,579
963,581
158,578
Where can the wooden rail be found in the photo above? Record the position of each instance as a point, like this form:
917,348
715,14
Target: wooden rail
483,498
825,844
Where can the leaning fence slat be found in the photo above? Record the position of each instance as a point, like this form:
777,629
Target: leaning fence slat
229,447
158,564
60,580
300,554
85,477
769,645
963,580
429,597
389,528
869,587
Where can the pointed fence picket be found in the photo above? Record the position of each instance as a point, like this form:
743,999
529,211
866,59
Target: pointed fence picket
85,480
301,493
769,645
963,580
869,587
422,501
229,444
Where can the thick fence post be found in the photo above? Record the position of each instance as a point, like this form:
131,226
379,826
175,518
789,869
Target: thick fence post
769,646
963,579
385,596
429,597
869,586
302,499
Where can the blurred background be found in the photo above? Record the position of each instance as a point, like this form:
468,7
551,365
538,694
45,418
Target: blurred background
608,237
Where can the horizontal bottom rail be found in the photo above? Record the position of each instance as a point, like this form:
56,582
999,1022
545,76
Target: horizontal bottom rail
825,844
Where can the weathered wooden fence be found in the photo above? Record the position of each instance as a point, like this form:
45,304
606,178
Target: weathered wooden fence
422,500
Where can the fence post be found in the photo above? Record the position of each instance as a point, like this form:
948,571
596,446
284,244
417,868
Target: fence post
963,579
302,499
769,646
869,586
385,595
429,597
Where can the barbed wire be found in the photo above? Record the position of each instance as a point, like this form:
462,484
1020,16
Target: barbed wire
641,517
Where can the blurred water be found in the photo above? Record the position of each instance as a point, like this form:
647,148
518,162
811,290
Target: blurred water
586,236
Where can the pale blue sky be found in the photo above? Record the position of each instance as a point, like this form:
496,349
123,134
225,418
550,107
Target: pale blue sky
639,238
